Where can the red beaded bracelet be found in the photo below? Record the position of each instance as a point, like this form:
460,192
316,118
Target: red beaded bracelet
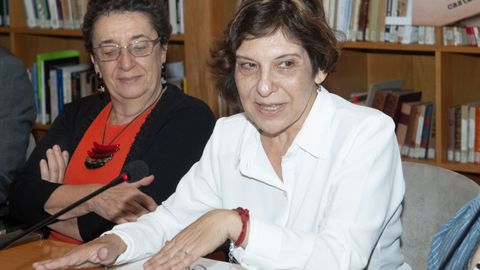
245,216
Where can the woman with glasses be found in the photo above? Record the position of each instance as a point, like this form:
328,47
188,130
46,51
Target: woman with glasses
302,179
140,117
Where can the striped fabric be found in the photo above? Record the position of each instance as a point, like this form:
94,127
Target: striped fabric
463,232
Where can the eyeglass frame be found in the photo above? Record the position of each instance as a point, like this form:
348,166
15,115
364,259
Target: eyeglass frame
115,45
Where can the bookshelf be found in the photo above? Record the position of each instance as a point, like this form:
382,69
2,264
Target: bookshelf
444,74
204,21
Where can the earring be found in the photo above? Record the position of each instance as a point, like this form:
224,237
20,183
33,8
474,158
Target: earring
101,87
319,87
163,79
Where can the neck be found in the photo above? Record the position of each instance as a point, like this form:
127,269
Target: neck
124,111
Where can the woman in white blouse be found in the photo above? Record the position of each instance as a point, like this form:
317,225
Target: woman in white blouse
316,182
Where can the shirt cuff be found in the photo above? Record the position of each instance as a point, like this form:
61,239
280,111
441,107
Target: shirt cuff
264,244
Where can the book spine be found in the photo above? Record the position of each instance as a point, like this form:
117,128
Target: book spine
426,131
471,134
431,141
458,129
464,134
477,135
451,134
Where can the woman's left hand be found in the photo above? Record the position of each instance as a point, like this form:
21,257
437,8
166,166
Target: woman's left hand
200,238
53,168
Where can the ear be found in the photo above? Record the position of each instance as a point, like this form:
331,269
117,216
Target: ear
164,53
319,77
95,65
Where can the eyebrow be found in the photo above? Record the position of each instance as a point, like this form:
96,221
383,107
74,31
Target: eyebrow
276,58
108,41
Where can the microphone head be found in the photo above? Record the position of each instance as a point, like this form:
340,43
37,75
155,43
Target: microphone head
136,170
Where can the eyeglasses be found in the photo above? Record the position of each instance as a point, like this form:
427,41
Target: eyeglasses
138,48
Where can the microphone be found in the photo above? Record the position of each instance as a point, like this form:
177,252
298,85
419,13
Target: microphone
132,172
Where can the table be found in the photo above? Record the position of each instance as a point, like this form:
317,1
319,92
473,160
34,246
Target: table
22,256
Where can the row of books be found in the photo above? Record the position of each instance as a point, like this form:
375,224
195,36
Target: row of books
413,118
461,35
66,14
58,78
464,133
4,13
69,14
375,20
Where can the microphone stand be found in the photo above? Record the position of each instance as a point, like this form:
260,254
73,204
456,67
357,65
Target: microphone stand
16,237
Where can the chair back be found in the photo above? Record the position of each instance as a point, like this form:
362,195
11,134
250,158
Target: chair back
432,196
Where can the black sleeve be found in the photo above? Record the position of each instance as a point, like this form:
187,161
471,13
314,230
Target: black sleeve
28,192
169,153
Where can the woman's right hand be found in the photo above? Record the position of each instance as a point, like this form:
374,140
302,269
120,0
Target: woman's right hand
53,168
124,202
101,251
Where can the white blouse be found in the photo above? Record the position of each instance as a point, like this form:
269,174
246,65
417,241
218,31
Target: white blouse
338,206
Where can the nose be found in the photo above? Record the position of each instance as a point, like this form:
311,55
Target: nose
266,83
126,59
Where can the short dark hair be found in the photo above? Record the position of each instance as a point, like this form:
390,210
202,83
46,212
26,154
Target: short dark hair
302,21
154,9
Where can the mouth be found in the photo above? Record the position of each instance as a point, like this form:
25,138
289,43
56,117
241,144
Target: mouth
270,108
129,80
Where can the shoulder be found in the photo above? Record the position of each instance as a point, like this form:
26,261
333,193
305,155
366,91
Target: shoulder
8,60
178,99
233,128
176,103
352,115
86,107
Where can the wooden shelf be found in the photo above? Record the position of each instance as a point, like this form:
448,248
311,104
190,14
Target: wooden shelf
47,31
389,46
461,167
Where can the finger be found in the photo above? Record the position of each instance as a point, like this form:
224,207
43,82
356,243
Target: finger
61,165
52,165
120,220
144,181
134,209
66,157
147,202
44,172
180,260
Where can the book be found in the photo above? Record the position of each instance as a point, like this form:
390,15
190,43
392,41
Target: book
172,15
416,136
394,100
471,130
46,62
405,126
54,18
451,133
457,134
431,141
464,112
67,80
374,87
29,13
380,99
477,136
427,127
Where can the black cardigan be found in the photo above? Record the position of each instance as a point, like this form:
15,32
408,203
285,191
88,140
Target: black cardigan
170,141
